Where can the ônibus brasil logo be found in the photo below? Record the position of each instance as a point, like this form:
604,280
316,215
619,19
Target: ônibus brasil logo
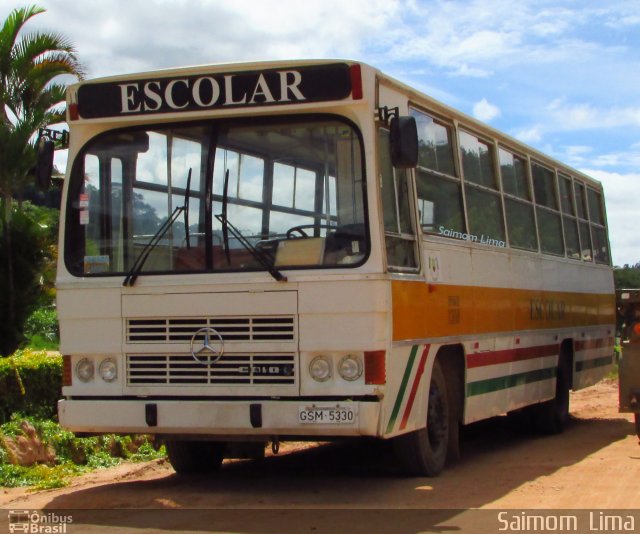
36,522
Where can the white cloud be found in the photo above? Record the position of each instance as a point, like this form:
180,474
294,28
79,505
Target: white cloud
566,116
471,72
532,134
122,36
485,111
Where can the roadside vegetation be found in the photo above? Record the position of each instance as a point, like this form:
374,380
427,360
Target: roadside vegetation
58,455
34,449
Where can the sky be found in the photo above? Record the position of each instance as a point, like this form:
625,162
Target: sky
561,76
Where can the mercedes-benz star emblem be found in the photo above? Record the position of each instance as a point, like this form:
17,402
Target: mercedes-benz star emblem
212,347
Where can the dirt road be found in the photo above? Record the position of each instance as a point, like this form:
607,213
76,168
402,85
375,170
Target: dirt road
595,464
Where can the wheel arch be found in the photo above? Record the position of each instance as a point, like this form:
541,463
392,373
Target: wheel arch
452,359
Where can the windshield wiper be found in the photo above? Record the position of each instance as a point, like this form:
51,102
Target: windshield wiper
224,220
187,195
262,258
137,266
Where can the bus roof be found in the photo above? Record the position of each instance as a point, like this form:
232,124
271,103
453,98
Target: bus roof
415,97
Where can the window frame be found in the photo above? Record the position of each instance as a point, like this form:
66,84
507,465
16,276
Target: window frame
599,225
543,209
397,234
496,191
514,198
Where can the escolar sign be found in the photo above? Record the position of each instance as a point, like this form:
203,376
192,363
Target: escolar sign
211,91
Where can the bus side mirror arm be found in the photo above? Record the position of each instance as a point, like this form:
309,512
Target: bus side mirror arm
45,149
404,142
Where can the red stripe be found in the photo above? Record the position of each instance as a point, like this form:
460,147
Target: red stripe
481,359
414,388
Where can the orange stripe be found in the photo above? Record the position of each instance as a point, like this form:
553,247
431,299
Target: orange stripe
422,310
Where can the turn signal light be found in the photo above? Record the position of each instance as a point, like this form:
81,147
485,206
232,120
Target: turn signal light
356,82
66,370
74,114
375,370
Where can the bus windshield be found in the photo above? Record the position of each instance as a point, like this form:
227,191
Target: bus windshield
199,197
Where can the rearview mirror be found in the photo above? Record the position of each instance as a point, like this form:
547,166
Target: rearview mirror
44,163
404,142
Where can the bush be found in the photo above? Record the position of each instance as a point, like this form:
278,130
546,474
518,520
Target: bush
31,248
30,383
30,386
42,329
73,455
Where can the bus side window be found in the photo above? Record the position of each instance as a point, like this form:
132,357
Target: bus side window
569,221
598,230
547,209
521,223
583,223
484,207
440,203
441,210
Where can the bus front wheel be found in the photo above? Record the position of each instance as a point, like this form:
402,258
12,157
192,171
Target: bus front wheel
424,452
189,457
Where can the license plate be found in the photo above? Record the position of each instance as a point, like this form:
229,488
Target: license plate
327,415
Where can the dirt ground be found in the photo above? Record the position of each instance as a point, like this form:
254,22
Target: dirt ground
595,464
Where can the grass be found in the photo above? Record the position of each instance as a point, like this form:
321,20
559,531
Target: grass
73,455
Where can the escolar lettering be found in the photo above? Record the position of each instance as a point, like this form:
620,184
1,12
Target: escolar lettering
207,92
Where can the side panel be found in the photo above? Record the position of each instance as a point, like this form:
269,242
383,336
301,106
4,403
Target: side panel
406,399
511,335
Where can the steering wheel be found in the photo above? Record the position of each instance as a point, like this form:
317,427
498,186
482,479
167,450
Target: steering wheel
291,232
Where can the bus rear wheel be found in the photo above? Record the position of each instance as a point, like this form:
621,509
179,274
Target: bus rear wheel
424,452
189,457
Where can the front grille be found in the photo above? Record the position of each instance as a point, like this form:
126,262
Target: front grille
181,330
231,369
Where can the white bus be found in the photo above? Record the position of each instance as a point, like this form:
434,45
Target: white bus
267,251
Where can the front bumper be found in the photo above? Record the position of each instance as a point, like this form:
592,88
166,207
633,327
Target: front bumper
216,419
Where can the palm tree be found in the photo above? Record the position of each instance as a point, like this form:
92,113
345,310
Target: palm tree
31,98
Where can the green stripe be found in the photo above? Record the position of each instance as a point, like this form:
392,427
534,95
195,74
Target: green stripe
403,387
597,362
503,382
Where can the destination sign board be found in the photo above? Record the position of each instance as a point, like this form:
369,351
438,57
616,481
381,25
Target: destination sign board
199,92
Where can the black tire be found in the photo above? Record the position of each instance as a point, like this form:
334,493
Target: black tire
424,452
246,450
551,417
637,418
189,457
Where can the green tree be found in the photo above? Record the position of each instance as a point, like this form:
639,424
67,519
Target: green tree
31,98
627,277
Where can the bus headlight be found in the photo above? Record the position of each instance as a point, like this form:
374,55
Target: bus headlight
108,370
85,370
350,368
320,369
